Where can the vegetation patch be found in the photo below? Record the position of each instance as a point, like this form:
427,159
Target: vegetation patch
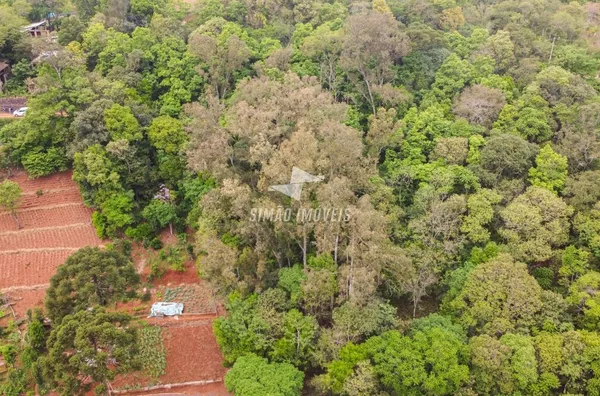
152,351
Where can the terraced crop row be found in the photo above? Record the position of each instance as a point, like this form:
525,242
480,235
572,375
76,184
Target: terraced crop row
55,224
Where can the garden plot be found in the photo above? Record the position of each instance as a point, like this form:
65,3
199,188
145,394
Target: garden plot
196,298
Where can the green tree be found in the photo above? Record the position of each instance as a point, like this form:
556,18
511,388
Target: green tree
451,77
575,262
430,361
245,330
94,171
529,118
86,8
481,213
499,296
506,156
585,297
87,350
160,213
42,162
501,48
10,195
71,29
167,134
255,376
583,190
535,222
91,276
290,280
10,23
223,49
115,213
551,170
503,366
566,360
298,340
121,123
381,6
324,45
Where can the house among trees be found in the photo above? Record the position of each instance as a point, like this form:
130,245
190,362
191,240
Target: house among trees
37,29
10,104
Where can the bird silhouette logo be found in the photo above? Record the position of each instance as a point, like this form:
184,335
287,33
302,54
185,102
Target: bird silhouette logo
297,180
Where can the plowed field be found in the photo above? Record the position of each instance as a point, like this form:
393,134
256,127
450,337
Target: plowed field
55,224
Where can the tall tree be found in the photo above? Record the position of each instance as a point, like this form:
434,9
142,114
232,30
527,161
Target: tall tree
499,296
223,52
372,45
87,350
535,222
91,276
255,376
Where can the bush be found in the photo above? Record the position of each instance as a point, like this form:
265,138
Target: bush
157,270
5,121
156,244
141,233
38,163
9,353
122,246
15,384
544,276
146,296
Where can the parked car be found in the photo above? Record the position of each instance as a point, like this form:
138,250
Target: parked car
21,112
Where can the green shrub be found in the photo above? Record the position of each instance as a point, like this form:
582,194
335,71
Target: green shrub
544,276
156,244
39,163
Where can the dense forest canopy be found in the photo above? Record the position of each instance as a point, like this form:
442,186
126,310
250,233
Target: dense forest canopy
461,137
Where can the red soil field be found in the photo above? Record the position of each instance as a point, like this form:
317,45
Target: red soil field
186,343
26,299
55,224
39,265
192,355
46,217
70,236
50,198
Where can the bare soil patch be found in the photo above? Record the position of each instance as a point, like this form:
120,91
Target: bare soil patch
55,224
